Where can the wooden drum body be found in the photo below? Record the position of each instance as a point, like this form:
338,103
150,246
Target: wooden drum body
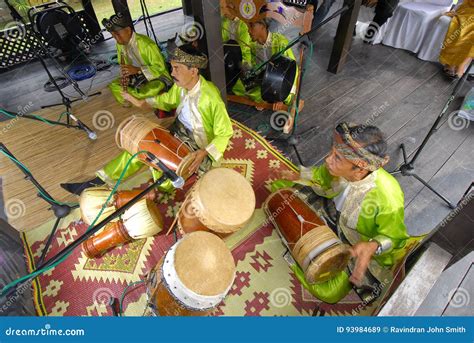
222,201
316,248
92,199
140,134
142,220
192,278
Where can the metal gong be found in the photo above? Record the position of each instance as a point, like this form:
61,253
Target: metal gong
278,79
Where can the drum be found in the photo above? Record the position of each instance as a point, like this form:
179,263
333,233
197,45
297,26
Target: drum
92,199
142,220
221,201
316,248
192,278
137,133
278,79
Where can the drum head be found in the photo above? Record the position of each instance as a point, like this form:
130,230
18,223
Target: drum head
204,264
328,264
233,63
225,199
278,79
91,202
183,168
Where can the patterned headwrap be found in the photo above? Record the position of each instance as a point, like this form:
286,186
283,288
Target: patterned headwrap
355,152
192,61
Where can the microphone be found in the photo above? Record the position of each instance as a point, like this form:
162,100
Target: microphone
177,181
91,134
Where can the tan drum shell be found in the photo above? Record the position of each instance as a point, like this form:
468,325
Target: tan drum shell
223,200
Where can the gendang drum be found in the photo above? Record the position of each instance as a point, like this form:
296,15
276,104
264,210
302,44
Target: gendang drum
192,278
140,134
316,248
221,201
142,220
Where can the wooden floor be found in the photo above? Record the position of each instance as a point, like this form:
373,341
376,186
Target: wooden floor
379,85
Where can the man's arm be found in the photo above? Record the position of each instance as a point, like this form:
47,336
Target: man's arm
155,65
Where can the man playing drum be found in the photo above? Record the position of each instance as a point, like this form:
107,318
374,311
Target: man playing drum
202,121
138,56
369,204
265,44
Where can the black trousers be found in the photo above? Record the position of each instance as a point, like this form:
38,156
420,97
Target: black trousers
384,10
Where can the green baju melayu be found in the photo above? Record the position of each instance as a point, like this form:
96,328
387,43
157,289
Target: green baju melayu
141,52
372,208
211,125
261,53
237,30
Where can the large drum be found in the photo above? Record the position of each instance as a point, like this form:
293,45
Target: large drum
316,248
221,201
192,278
142,220
92,199
278,79
140,134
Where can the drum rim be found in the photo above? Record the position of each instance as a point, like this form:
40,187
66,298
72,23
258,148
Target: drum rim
184,295
309,273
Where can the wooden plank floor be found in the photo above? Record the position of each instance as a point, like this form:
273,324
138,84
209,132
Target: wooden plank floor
379,85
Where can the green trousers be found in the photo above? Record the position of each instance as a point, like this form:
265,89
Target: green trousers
148,90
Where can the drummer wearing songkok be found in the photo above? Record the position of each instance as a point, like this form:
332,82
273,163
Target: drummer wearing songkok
264,44
202,121
369,204
137,55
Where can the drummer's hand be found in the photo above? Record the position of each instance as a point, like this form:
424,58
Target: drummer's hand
362,252
128,70
289,175
134,101
198,157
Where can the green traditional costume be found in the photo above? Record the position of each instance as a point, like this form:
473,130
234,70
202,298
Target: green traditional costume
370,209
141,52
211,125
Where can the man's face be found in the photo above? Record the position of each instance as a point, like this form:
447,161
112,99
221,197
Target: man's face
340,166
257,32
226,10
182,74
123,36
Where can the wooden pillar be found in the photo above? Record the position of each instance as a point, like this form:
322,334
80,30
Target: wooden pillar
343,40
207,14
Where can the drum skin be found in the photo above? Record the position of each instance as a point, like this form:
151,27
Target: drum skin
278,79
139,134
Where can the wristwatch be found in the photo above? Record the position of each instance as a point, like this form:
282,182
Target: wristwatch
379,247
384,244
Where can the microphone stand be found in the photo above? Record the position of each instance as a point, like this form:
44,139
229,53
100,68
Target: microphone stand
292,139
167,174
407,168
59,210
65,100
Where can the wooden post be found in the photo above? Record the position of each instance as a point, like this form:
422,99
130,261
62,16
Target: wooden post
207,14
343,40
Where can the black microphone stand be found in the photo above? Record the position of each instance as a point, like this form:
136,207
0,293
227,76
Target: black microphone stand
293,139
59,210
65,100
408,166
67,250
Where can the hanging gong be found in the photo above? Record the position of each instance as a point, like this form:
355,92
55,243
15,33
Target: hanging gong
278,79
